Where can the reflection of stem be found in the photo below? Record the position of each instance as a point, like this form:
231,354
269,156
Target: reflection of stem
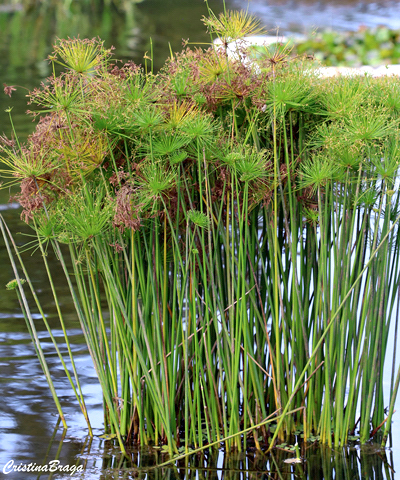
277,468
229,437
51,441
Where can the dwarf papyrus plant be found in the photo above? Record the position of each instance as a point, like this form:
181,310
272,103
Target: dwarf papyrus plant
232,228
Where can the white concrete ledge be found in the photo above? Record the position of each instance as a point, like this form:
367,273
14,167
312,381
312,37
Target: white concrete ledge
383,70
380,71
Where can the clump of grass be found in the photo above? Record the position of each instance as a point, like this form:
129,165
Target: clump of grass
233,230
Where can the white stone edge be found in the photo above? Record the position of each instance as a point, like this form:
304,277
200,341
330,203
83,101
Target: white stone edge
324,72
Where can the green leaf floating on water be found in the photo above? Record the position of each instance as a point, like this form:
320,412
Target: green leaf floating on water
108,436
13,284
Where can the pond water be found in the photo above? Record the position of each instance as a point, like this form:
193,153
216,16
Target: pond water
308,15
29,432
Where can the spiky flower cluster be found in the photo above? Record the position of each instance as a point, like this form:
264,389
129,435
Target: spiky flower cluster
139,135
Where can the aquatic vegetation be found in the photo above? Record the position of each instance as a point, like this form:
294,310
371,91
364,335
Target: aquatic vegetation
367,46
234,242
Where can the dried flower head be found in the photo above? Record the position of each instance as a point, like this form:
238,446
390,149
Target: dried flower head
125,213
8,89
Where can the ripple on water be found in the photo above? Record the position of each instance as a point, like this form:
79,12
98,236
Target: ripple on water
305,16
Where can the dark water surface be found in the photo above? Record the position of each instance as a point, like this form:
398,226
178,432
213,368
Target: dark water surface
28,418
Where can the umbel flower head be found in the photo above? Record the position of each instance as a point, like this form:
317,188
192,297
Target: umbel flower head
232,25
28,163
155,181
82,56
247,163
83,153
85,214
198,218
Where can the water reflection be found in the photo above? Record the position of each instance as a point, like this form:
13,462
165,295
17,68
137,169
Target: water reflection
97,459
307,15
